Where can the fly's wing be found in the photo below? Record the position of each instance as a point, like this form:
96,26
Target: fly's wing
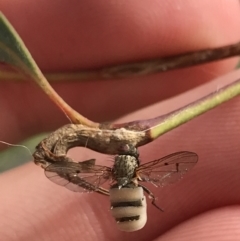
168,169
79,177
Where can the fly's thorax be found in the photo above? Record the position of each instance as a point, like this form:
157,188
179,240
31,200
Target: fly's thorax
128,207
124,169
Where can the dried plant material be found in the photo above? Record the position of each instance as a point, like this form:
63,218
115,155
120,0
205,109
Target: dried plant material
139,68
106,141
168,63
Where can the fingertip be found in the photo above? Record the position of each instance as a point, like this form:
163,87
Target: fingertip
220,224
95,34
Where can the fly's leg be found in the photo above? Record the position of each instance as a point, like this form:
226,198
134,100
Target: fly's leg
102,191
151,195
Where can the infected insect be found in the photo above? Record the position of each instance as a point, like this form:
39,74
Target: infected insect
128,203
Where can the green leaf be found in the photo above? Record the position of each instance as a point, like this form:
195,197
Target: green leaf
14,52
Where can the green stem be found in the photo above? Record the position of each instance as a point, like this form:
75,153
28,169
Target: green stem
176,118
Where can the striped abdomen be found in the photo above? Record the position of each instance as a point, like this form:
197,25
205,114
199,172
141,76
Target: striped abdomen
128,206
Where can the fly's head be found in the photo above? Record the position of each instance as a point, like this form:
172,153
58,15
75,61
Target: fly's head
124,169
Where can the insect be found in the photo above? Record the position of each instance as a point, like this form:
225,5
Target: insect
128,203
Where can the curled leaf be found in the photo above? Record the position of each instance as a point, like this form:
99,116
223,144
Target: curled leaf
123,138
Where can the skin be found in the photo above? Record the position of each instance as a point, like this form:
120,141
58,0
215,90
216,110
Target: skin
202,206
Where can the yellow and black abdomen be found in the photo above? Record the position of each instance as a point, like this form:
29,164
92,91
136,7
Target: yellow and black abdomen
128,207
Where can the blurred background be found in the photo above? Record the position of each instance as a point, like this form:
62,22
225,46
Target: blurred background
14,156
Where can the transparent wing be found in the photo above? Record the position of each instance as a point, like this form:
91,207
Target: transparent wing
79,177
167,170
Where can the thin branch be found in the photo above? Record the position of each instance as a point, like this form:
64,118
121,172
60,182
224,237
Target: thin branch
140,68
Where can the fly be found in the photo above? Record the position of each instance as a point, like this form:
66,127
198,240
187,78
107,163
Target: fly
128,202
